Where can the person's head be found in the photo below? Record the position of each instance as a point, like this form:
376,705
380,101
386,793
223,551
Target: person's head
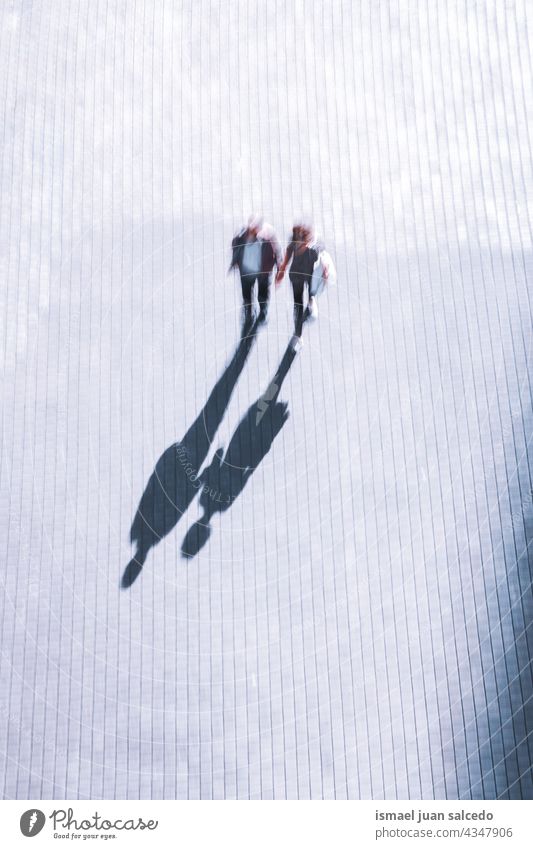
255,222
302,232
306,231
195,538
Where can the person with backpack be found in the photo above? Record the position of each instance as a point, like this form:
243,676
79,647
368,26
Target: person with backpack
255,252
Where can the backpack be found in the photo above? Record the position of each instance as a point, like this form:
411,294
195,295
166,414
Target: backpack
318,281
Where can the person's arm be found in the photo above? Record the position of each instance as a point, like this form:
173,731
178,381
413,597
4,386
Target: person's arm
286,259
236,247
325,266
276,250
233,262
319,247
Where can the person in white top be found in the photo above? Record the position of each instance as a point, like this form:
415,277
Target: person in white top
255,252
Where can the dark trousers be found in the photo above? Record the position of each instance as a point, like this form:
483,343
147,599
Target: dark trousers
263,290
299,282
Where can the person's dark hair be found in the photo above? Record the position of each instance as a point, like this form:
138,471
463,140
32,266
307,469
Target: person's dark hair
302,233
306,233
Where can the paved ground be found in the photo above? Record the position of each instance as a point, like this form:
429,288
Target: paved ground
358,623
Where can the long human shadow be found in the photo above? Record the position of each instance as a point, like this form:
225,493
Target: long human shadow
229,472
176,477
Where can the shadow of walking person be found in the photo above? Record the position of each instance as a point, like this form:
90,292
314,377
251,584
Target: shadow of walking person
175,479
225,478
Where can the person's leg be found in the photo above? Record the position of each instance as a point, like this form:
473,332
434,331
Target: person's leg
311,310
312,307
263,293
307,287
247,282
298,292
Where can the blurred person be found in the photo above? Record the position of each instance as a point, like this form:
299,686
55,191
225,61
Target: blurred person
303,254
255,252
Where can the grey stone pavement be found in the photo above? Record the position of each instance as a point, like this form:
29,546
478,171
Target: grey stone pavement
358,624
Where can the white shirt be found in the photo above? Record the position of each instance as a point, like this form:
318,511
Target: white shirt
251,257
